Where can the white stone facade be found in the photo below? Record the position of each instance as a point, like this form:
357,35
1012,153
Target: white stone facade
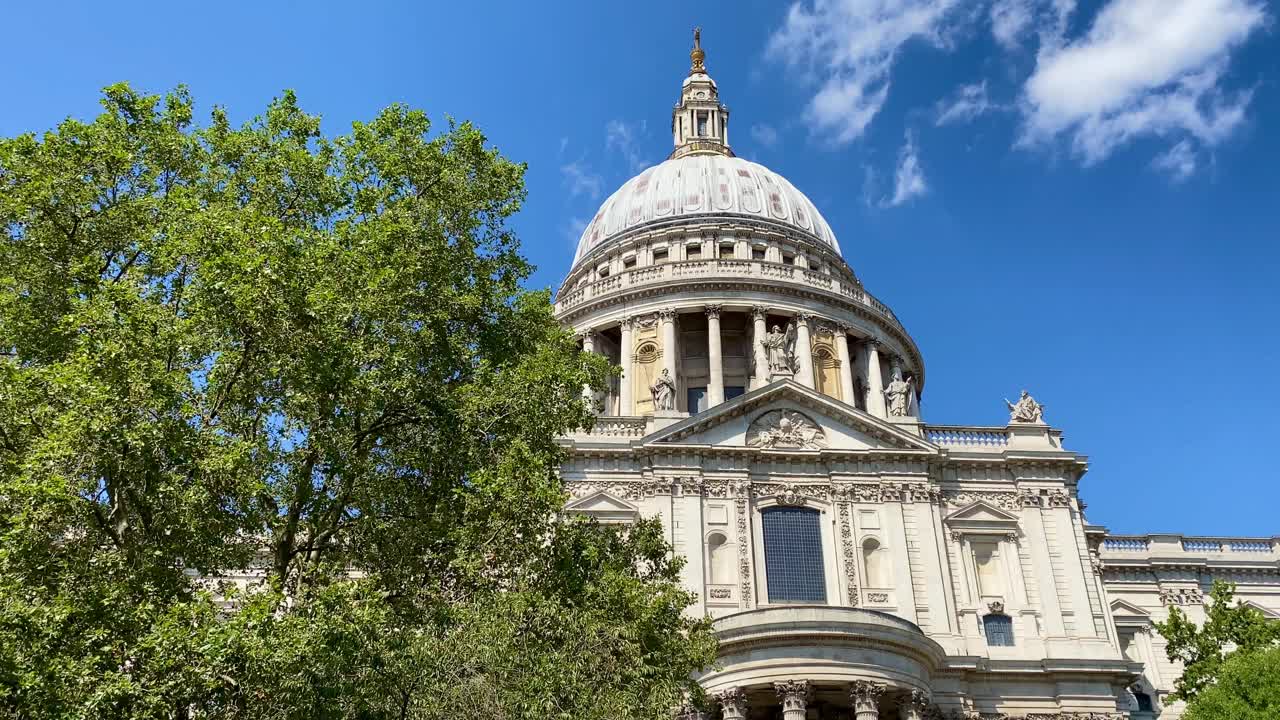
942,569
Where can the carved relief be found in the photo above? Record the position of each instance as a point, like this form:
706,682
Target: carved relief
741,492
1182,596
786,429
846,545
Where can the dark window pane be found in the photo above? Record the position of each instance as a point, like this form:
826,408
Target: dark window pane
999,629
733,391
1144,702
697,398
793,555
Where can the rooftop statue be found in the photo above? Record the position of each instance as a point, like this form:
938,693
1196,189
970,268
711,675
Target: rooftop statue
1026,410
898,396
664,392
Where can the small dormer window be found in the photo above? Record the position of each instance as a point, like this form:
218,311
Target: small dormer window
628,263
726,251
693,251
659,255
603,271
788,259
757,253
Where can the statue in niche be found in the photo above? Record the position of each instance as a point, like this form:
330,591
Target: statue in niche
898,395
780,349
664,391
785,429
1026,410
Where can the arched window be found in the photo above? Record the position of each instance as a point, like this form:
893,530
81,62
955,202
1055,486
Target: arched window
875,564
720,559
826,372
793,555
1144,701
999,630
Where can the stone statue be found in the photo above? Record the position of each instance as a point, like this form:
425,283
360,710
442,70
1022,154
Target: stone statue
898,396
664,391
779,348
1026,410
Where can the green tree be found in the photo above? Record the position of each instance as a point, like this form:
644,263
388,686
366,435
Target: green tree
1229,628
227,347
1247,688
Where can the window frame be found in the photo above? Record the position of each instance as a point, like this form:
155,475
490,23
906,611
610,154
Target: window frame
833,591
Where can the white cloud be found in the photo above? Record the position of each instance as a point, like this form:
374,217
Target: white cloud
1179,161
909,179
573,229
849,48
1012,21
969,102
580,180
624,137
764,135
1144,68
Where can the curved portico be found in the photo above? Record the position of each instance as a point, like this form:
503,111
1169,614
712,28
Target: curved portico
826,657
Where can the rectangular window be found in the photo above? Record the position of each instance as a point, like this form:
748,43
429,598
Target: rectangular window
702,124
629,263
999,630
726,251
789,259
757,253
693,251
659,255
733,391
793,555
697,398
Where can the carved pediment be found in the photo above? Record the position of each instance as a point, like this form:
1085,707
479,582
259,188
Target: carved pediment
788,416
1267,612
982,518
604,507
1124,610
786,429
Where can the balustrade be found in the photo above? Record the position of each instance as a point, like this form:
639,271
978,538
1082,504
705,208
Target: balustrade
967,437
745,269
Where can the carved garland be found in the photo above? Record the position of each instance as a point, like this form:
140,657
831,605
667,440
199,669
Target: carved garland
846,544
741,490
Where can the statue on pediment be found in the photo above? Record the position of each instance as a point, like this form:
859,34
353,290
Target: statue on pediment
785,429
897,396
1026,410
664,391
780,349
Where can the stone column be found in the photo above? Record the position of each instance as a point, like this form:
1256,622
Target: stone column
589,346
626,403
715,393
794,695
733,704
804,351
670,356
866,699
914,706
846,368
875,382
761,376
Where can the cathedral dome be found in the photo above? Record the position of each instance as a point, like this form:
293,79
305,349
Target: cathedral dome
703,186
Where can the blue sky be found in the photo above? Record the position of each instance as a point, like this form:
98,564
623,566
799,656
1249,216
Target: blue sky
1078,198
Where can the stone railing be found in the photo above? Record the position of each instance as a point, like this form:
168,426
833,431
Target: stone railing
969,438
617,427
764,272
1177,547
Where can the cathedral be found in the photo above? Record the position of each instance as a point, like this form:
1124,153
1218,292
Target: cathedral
859,562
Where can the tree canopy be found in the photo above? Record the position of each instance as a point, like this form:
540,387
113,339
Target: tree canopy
1230,628
304,365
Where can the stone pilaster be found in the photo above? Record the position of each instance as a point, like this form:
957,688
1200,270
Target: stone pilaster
761,376
626,389
846,368
794,695
715,391
670,353
865,696
875,381
733,704
804,351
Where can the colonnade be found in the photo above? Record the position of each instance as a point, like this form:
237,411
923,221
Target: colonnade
863,697
860,377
